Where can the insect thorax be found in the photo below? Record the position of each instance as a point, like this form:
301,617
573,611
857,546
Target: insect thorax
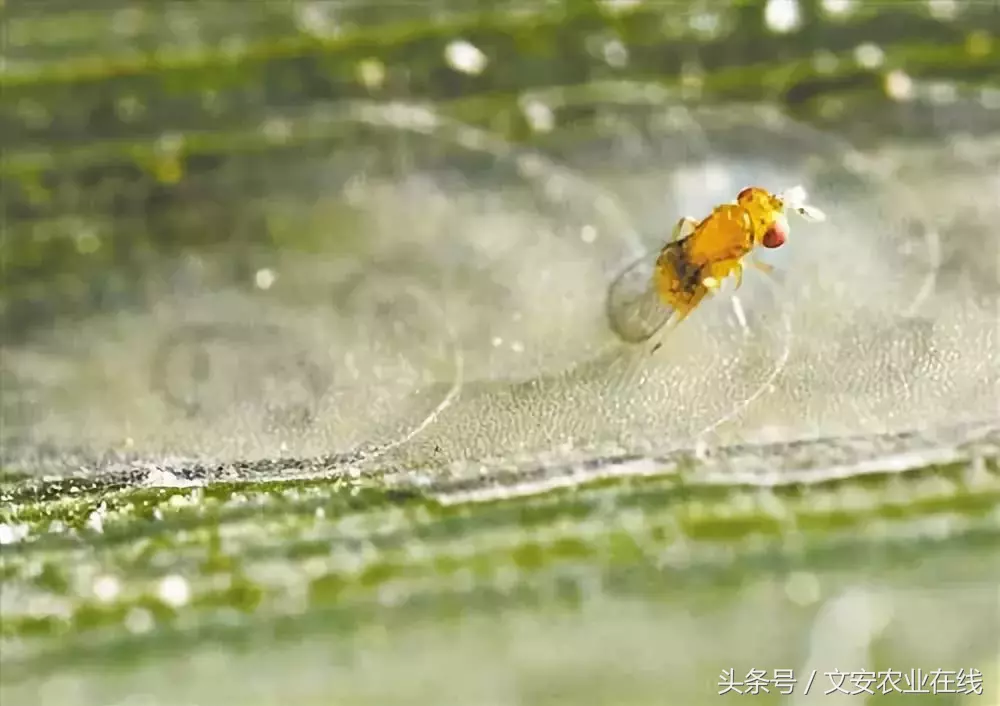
728,234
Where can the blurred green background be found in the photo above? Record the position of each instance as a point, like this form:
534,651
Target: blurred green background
135,136
133,131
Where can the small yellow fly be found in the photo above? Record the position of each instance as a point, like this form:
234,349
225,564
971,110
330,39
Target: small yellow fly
665,289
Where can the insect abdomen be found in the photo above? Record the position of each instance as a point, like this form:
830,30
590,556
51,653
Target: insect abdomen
678,279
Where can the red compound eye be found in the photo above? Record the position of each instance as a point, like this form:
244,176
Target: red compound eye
775,236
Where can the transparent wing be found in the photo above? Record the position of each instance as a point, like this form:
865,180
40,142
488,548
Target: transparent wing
796,199
635,310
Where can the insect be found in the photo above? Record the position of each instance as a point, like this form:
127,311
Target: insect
659,291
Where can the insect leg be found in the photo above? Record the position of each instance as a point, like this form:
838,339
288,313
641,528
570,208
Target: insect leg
762,266
738,274
741,316
718,271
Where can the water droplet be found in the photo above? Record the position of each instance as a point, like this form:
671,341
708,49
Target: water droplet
615,54
170,143
539,116
869,55
371,73
174,591
314,18
705,23
898,85
276,129
138,621
943,9
782,15
106,588
465,57
264,278
838,7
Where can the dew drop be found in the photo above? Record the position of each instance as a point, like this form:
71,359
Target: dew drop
869,55
106,588
174,591
782,15
465,57
264,278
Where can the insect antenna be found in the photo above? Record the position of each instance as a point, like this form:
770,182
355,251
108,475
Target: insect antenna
795,199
